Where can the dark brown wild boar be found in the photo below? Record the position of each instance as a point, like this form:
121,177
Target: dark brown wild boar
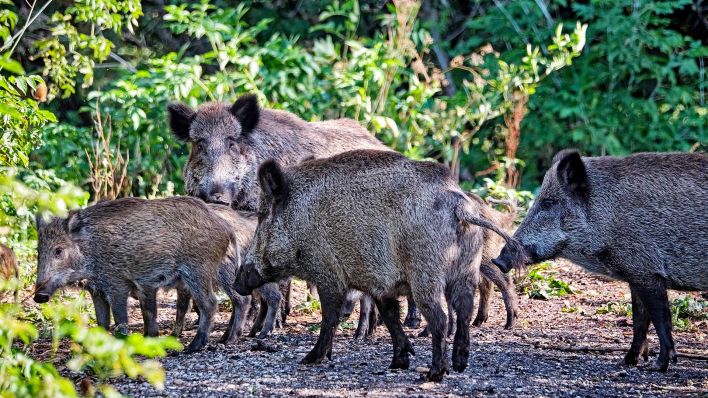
640,219
376,222
135,246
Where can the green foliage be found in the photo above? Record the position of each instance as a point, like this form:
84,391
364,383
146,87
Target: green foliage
69,54
94,351
540,283
687,312
639,86
622,308
309,306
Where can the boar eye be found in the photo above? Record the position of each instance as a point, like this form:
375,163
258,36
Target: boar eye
233,145
58,251
547,204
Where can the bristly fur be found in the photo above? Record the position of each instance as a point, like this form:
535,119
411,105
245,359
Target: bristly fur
641,219
247,112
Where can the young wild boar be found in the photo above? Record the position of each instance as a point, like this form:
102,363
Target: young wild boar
377,222
135,246
242,226
640,219
8,266
489,272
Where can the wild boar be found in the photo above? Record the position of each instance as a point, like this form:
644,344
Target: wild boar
490,273
229,142
639,219
378,222
135,246
8,267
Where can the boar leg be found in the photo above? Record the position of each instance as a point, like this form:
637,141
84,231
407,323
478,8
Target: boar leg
118,300
272,296
451,325
148,306
286,291
331,307
205,300
239,305
656,301
462,301
412,315
367,317
260,315
485,295
640,326
103,310
432,310
184,302
389,310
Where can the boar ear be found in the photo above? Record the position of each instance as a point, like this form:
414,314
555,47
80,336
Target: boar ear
272,179
247,112
39,220
180,117
571,172
73,223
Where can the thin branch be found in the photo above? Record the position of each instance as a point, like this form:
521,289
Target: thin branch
15,39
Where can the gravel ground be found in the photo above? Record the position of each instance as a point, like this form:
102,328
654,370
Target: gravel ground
537,358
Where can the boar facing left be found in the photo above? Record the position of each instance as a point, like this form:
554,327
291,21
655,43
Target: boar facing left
379,223
135,246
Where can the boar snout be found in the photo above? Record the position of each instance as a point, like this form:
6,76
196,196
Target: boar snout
219,193
41,298
247,279
514,255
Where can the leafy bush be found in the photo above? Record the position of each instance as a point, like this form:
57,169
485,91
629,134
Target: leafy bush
539,282
687,311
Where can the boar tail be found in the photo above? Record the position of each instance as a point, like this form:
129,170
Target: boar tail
465,215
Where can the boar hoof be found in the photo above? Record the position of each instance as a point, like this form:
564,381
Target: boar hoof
436,374
312,358
121,330
400,362
478,321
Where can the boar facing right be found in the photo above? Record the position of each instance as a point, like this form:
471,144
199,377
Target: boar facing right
640,219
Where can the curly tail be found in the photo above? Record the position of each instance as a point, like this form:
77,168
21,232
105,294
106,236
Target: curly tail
516,250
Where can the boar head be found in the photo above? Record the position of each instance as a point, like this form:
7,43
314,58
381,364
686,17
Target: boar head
272,250
221,165
59,256
558,215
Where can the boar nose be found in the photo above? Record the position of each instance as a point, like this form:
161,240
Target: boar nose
219,195
502,262
41,298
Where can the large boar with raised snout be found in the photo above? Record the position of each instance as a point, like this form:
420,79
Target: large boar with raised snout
377,222
134,247
640,219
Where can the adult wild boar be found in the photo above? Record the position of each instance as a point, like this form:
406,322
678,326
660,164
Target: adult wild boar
229,142
640,219
377,222
135,246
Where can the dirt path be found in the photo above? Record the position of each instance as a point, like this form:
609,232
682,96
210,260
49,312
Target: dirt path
522,362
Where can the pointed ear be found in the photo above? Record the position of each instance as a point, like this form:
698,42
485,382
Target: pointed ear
272,180
73,224
247,112
571,173
39,221
180,117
